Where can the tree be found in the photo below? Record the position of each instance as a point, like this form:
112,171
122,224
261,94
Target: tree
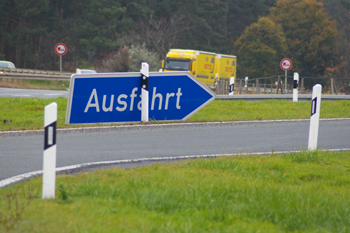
243,13
130,59
21,29
140,54
311,35
208,23
343,52
260,48
161,35
98,21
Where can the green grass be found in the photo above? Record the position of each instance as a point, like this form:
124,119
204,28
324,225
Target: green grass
34,84
220,110
304,192
28,113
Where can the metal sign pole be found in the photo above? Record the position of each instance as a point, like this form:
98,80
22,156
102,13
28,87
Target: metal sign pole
60,64
61,49
285,82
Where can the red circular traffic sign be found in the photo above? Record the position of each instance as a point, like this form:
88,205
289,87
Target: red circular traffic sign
286,64
61,49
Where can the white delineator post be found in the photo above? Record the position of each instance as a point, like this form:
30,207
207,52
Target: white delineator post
232,86
315,116
50,150
145,93
295,87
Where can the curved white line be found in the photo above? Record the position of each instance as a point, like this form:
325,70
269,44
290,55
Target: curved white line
18,178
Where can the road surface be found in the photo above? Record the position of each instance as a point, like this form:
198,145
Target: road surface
22,152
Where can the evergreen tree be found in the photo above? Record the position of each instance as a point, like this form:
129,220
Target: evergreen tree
21,29
98,21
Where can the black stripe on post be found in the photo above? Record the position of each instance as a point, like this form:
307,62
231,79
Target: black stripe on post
313,106
144,82
295,84
50,135
231,87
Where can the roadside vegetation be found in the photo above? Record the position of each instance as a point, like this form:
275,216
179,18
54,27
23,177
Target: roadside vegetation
300,192
34,84
303,192
28,113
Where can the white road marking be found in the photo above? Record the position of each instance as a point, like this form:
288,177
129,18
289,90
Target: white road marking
18,178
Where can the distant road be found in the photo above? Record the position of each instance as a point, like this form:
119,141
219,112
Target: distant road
26,93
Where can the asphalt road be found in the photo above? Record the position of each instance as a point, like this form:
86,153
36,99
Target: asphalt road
22,152
26,93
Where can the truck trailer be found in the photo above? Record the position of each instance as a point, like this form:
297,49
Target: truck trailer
205,66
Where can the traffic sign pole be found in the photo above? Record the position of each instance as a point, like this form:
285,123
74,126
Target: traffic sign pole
285,64
144,92
285,82
60,65
61,49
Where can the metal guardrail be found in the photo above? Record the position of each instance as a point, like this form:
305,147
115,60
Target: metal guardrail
28,74
301,97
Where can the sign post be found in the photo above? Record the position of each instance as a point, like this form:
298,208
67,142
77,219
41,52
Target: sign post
285,64
61,49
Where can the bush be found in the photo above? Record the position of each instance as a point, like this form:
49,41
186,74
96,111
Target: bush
130,58
139,54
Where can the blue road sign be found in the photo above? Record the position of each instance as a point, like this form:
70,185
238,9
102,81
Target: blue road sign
116,97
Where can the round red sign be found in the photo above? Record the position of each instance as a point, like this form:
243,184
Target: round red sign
61,49
286,64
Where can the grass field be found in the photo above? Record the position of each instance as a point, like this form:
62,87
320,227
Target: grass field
28,113
304,192
34,84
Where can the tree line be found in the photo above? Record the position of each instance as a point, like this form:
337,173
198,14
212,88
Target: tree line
114,35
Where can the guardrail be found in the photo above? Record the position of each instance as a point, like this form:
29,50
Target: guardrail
222,87
262,97
28,74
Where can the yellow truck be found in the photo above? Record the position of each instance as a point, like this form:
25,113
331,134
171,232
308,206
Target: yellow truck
205,66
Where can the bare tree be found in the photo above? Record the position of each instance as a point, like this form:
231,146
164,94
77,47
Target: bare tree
343,46
160,35
118,62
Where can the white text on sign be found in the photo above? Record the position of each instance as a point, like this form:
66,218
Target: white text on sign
123,101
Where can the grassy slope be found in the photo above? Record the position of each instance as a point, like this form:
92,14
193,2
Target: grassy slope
305,192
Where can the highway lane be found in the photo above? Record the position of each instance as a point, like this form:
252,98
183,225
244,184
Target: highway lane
27,93
22,152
